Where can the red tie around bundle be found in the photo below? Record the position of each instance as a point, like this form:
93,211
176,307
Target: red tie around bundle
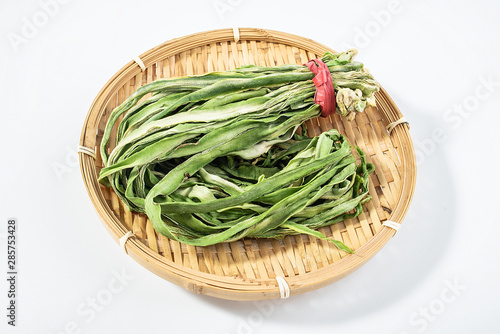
325,94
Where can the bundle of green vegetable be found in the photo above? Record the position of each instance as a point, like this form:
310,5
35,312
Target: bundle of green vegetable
216,157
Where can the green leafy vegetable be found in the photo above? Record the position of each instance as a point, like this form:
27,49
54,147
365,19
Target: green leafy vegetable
216,157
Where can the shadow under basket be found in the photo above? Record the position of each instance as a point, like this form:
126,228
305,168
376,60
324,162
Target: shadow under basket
255,269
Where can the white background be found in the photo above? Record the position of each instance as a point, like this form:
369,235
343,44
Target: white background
439,62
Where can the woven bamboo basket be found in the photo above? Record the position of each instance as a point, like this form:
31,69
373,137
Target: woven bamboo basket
248,269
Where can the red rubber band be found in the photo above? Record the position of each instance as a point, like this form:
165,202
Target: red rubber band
325,94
